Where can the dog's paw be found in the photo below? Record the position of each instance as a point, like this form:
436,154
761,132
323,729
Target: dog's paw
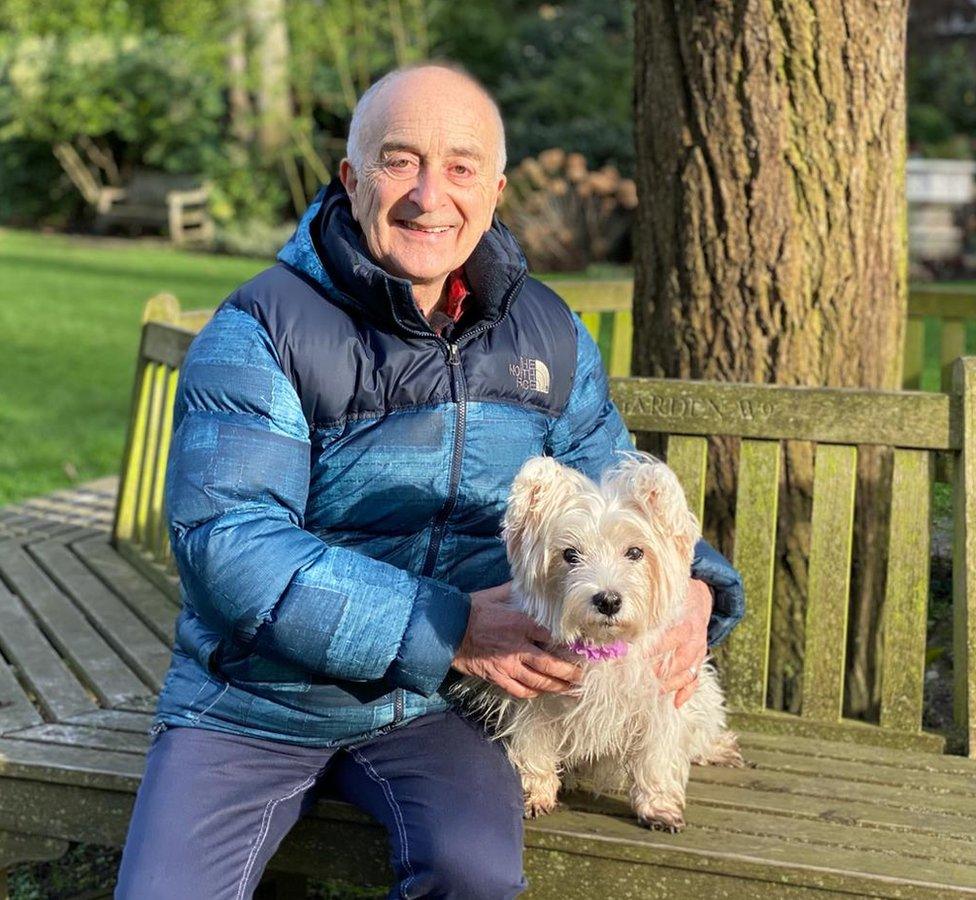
540,795
724,752
660,811
663,820
535,807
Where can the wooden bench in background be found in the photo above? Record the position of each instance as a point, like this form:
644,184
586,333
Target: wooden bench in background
832,807
175,204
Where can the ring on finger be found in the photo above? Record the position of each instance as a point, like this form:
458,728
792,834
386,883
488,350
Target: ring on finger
693,671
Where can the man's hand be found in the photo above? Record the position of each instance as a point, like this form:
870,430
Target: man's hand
498,646
689,641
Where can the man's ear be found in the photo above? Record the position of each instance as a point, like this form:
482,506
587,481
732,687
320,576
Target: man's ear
347,175
539,492
649,485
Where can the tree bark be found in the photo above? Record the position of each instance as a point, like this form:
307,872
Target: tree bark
771,244
271,51
241,113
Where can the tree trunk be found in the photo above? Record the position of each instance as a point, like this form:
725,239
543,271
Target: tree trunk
271,50
241,113
771,244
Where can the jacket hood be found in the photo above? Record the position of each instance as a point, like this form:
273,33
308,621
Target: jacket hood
328,247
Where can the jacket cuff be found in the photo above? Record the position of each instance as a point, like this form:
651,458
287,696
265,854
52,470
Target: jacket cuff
729,606
432,637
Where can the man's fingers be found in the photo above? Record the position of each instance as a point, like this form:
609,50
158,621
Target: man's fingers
679,681
685,694
537,681
553,666
515,688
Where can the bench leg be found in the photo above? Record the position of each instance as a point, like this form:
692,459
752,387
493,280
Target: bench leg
282,886
21,848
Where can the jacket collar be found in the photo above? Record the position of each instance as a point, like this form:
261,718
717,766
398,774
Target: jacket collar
329,247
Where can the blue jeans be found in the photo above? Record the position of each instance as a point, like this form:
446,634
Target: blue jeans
213,808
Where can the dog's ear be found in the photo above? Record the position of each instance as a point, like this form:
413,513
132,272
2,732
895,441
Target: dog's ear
539,492
649,485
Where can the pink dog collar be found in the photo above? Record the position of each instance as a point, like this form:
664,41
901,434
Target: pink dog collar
599,651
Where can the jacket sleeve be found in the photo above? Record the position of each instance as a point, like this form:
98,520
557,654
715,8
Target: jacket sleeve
236,488
588,434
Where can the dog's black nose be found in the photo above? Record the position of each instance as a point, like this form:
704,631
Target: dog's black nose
607,602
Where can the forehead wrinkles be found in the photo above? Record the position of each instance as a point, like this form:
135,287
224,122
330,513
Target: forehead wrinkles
430,127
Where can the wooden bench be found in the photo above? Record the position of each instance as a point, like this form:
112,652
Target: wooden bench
941,327
832,807
176,204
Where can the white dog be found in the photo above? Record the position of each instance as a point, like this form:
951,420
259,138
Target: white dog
605,570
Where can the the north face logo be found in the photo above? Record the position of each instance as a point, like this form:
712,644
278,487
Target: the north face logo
531,374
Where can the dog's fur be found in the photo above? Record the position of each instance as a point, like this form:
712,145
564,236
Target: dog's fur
616,730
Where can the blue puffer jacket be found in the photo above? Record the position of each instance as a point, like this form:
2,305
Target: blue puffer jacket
338,473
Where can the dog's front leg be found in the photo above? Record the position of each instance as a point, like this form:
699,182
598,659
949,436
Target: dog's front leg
659,776
533,750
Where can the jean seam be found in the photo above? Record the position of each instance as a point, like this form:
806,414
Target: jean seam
263,831
397,817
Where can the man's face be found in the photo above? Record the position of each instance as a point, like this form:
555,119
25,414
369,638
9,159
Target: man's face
430,178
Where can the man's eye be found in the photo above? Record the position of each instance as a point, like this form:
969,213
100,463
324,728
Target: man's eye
463,171
571,555
634,553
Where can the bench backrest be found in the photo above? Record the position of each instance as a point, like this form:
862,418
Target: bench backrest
941,327
147,186
921,428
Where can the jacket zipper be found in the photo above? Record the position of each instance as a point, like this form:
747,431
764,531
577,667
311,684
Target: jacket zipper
458,395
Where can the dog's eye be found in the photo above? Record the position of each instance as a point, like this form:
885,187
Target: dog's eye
634,553
571,555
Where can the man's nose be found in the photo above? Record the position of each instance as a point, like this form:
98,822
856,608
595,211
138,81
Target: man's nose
428,190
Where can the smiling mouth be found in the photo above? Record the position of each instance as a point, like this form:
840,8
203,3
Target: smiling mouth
424,229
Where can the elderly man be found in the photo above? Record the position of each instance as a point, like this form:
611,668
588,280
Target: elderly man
346,430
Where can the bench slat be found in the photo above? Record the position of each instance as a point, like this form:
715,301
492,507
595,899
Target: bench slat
65,764
157,392
84,736
688,457
964,561
831,416
165,343
914,355
146,601
747,659
621,343
831,835
774,858
818,748
125,510
56,689
860,813
816,783
774,722
68,630
16,709
115,720
832,530
951,346
907,593
159,536
865,772
128,635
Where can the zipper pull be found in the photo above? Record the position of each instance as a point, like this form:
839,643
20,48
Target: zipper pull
454,358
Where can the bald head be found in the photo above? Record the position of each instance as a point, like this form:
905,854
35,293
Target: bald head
436,83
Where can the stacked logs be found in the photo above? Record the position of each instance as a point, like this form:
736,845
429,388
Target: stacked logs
566,216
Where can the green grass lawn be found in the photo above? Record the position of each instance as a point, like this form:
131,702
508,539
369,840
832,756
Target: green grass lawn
69,316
